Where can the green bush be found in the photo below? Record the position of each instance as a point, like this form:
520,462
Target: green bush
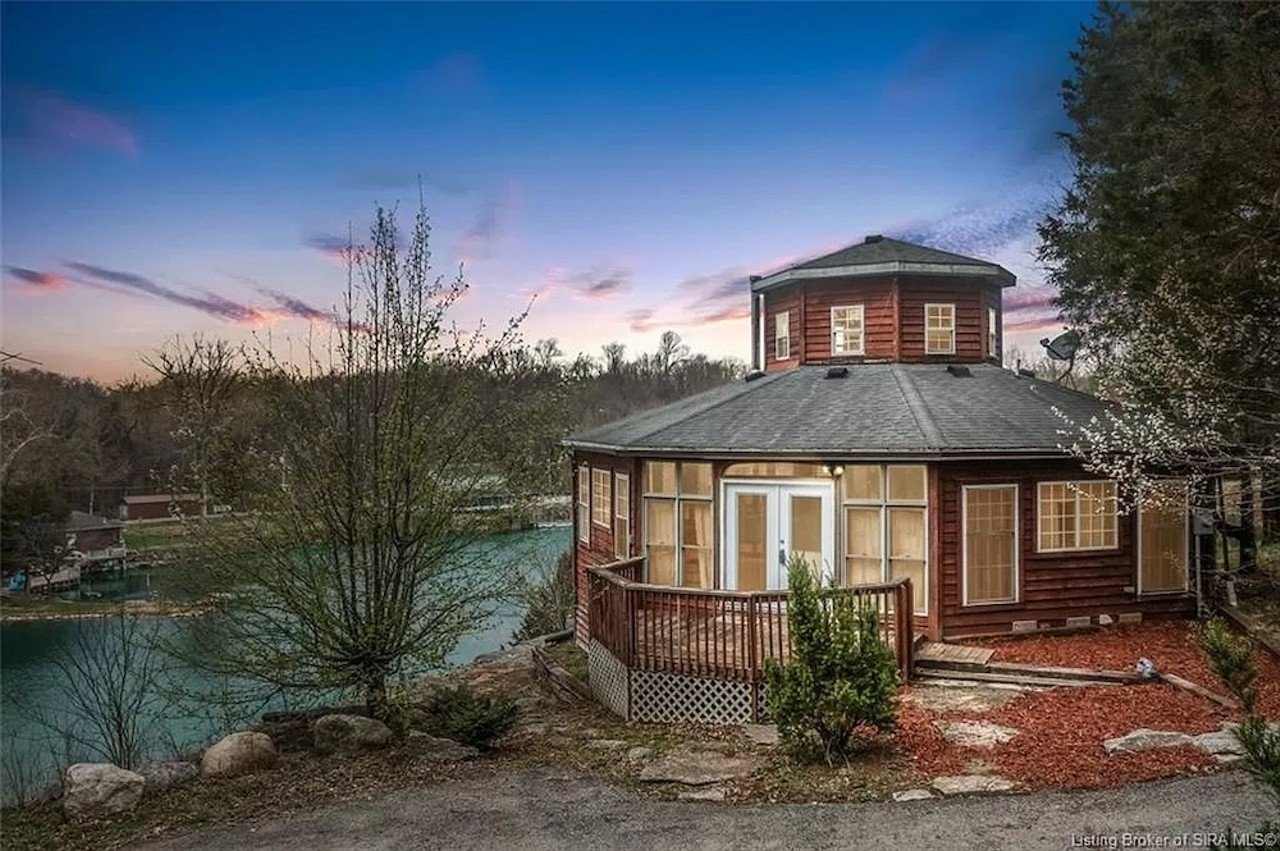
1231,657
464,715
548,600
842,676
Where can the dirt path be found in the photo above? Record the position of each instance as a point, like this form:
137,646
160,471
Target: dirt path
536,810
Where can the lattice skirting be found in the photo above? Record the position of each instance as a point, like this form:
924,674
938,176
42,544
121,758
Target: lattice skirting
609,679
675,697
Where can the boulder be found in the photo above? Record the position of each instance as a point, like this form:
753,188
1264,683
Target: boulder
162,775
639,752
436,749
968,784
761,734
695,769
1219,743
913,795
96,789
349,734
713,793
1143,739
239,753
975,734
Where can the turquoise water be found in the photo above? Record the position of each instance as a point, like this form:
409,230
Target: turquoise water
33,691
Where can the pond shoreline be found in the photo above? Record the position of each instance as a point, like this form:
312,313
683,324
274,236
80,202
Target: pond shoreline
145,608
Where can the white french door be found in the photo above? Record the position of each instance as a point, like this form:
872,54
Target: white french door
766,523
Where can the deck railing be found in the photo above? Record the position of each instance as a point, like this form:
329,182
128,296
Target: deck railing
725,635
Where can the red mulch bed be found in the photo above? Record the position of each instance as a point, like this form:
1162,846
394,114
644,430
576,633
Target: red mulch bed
1170,645
1062,729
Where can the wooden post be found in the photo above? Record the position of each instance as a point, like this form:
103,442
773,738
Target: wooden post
752,656
906,627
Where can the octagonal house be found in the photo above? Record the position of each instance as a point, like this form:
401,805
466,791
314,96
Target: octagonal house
878,436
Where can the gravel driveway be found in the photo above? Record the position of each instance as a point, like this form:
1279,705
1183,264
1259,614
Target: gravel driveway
539,809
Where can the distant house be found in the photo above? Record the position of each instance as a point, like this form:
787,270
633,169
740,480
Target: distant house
93,541
160,506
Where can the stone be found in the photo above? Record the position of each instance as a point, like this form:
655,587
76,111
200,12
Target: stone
639,752
239,753
96,789
695,769
1105,620
162,775
968,784
349,734
761,734
1025,626
1130,617
1222,742
1143,739
913,795
963,696
975,734
713,793
1081,622
437,749
606,744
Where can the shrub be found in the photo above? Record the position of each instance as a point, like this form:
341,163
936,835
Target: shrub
464,715
548,600
1231,657
842,676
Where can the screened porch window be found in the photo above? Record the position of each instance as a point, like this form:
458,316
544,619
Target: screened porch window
885,526
622,515
939,329
1162,540
846,330
601,504
678,530
1076,516
990,544
584,500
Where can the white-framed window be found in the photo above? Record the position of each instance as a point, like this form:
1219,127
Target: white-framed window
939,329
782,335
886,526
584,502
1080,515
601,504
1163,540
993,334
989,517
678,533
847,330
622,515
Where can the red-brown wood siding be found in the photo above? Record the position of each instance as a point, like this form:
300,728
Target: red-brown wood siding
774,304
876,298
598,549
1052,586
970,319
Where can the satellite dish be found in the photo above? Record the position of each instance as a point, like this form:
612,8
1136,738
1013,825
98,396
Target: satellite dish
1062,347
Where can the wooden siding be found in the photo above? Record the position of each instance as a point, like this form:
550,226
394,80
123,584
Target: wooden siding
599,549
893,319
1051,586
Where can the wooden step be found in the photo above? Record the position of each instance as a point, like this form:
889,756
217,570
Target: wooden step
1019,669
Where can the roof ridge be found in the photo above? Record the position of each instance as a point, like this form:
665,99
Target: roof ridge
916,406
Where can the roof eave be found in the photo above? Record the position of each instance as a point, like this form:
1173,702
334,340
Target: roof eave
998,274
718,453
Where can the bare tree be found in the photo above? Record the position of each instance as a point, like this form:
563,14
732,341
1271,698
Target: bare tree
361,560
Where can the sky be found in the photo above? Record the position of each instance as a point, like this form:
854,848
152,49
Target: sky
172,169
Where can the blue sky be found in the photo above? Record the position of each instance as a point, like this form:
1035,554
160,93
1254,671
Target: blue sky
178,168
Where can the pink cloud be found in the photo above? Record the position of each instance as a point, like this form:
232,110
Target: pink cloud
36,282
47,119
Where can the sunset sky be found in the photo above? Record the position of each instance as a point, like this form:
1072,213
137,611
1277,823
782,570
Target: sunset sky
169,169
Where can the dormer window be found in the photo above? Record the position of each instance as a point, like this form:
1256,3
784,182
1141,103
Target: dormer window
846,330
939,329
993,335
782,335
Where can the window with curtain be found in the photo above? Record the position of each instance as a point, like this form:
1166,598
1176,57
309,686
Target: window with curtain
601,504
990,544
885,526
939,329
1162,540
993,334
622,515
678,523
846,330
1080,515
782,335
584,500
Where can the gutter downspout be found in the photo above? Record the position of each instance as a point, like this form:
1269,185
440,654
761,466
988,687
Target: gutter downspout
757,326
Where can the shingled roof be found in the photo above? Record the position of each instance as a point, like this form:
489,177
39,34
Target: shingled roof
886,409
880,255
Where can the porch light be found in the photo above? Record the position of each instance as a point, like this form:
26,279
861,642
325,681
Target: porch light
832,471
